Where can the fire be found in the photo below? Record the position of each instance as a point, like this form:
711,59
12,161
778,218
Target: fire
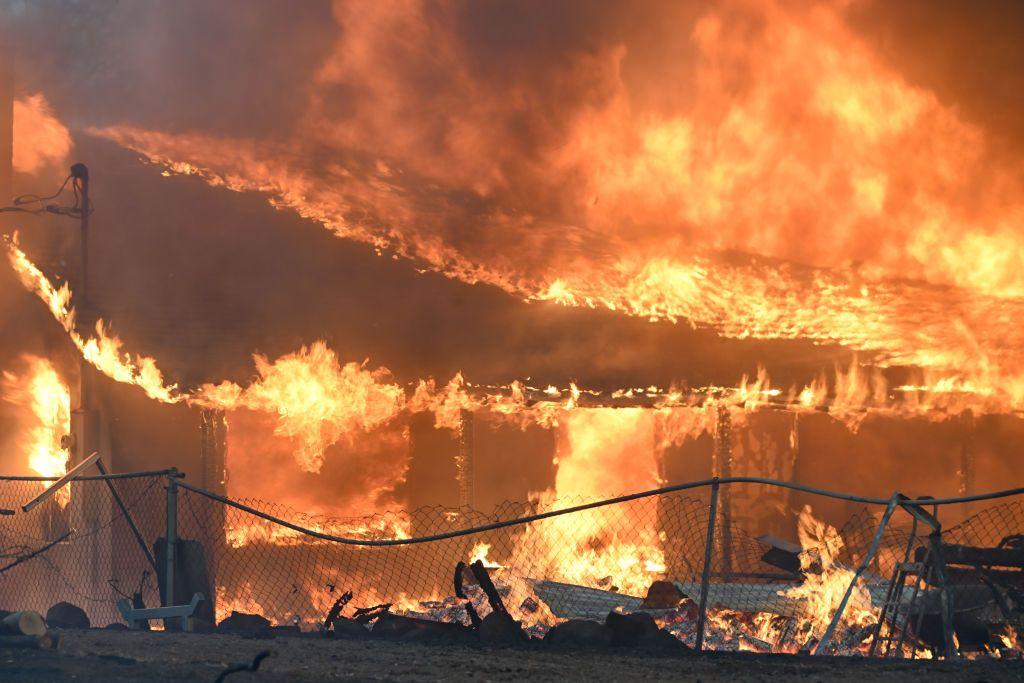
826,580
607,547
240,599
40,139
870,213
479,553
316,399
389,527
46,402
104,351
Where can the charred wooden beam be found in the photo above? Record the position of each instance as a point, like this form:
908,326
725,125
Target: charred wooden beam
983,557
781,553
723,469
484,579
464,460
335,612
460,593
365,614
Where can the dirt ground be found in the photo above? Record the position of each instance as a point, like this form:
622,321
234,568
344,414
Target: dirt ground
100,655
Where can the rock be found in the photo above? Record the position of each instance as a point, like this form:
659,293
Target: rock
581,633
398,627
66,615
240,622
630,629
639,630
662,595
500,628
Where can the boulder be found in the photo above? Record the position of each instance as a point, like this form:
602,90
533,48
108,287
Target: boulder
500,628
630,629
579,633
240,622
66,615
639,630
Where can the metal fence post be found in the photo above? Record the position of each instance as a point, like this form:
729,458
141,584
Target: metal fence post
705,577
171,535
945,596
826,638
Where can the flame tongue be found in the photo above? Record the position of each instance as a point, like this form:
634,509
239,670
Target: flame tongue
826,580
104,351
46,402
316,399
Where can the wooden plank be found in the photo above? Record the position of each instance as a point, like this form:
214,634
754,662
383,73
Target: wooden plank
992,557
63,481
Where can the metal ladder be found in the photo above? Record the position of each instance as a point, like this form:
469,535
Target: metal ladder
894,620
926,569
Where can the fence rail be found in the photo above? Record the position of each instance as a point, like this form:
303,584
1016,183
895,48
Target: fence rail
116,536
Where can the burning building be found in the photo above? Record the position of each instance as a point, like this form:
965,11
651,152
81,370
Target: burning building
443,258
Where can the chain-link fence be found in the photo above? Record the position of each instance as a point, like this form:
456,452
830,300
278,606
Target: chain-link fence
675,553
78,545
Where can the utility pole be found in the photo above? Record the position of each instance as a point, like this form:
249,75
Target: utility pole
85,421
80,178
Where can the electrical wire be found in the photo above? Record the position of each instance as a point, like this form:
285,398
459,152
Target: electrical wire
34,204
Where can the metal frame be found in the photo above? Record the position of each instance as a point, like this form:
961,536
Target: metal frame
136,617
171,535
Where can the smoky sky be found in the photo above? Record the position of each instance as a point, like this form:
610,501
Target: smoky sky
242,67
201,278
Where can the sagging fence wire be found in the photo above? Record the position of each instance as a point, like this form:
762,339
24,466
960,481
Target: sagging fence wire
551,562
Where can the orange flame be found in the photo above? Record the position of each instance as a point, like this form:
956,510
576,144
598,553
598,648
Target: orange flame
603,455
47,403
40,139
798,144
316,399
826,579
103,351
